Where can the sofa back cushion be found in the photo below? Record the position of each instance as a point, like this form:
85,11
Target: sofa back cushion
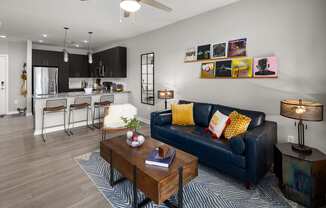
202,113
257,118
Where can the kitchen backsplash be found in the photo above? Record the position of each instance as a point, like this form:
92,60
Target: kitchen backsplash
75,83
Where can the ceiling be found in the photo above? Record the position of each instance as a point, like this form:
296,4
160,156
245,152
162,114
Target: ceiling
29,19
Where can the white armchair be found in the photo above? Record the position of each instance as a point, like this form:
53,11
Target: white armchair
113,115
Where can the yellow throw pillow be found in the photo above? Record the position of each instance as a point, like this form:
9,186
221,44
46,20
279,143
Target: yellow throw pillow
182,114
239,124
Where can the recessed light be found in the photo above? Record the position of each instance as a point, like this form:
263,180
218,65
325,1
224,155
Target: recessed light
3,36
77,45
44,35
41,41
85,41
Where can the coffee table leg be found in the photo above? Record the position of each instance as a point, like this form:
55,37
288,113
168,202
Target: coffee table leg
168,203
135,202
180,190
111,170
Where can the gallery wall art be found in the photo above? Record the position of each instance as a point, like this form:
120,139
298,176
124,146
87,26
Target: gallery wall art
229,60
265,67
191,54
204,52
242,68
219,50
224,68
237,48
208,71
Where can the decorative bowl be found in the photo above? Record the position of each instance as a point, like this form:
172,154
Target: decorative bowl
136,140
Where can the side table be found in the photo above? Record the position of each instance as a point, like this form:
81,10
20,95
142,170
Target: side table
302,178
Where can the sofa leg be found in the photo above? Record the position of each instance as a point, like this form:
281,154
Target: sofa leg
248,185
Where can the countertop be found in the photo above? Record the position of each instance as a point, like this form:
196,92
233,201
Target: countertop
77,94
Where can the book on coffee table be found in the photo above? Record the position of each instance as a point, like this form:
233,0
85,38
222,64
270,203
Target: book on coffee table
154,158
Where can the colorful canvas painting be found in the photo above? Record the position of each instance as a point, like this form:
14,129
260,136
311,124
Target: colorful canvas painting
207,70
237,48
242,68
219,50
223,68
265,67
204,52
191,54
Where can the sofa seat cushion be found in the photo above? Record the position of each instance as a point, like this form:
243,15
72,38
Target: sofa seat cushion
197,141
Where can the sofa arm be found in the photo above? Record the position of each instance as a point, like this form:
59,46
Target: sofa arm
161,117
259,150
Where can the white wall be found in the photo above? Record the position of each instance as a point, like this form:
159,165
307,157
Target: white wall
293,30
16,51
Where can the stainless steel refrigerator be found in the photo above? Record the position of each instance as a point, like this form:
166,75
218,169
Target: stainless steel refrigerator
45,80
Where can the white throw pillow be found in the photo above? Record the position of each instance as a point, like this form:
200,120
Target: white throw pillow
218,123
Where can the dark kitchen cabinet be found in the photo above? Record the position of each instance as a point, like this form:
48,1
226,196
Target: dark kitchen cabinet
45,58
78,66
110,63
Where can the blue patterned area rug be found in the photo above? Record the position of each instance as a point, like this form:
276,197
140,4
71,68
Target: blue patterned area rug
209,189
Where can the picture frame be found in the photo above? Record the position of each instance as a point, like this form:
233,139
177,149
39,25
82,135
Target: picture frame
219,50
208,70
223,69
237,48
265,67
242,67
191,54
204,52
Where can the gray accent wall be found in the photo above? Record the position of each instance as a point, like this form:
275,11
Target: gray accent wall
293,30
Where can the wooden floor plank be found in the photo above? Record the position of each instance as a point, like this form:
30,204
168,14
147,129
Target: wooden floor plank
34,174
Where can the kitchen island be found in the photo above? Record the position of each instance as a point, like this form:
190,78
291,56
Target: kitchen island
56,119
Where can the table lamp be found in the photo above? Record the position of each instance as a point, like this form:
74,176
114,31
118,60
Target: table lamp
166,95
303,111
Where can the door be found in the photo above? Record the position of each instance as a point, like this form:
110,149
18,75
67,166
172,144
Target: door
3,84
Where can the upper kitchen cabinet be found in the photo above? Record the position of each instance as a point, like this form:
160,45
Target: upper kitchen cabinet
110,63
117,62
78,66
45,58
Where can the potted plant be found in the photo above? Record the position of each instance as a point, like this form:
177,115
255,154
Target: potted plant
133,125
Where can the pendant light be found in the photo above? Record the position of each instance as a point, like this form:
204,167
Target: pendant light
65,52
90,55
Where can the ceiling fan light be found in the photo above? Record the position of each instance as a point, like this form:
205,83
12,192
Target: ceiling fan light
130,5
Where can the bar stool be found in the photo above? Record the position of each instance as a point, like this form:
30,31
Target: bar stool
105,100
80,103
54,106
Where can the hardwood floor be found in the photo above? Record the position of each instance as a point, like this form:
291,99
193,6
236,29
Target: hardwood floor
34,174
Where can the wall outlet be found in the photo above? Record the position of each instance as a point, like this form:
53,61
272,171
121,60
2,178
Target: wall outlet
291,139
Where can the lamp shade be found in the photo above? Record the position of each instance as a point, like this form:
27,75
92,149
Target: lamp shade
165,94
302,110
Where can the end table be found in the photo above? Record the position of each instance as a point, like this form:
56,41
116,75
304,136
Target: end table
302,178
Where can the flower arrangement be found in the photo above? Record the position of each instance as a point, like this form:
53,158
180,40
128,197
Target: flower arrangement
132,123
133,139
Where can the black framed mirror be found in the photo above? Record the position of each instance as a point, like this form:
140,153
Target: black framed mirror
147,78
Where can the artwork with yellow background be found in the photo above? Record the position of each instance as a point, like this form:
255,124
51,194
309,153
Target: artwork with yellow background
242,68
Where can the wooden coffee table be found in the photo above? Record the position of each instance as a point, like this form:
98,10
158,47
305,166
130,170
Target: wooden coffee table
158,184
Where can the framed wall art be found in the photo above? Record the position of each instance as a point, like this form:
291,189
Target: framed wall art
237,48
242,68
204,52
265,67
207,71
219,50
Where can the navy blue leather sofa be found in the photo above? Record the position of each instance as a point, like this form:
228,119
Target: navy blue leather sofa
247,157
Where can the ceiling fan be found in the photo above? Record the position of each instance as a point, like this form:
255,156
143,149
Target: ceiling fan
132,6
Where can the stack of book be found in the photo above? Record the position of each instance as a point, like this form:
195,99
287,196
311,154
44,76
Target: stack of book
165,160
